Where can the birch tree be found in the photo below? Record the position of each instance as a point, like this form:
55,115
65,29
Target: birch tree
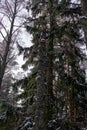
10,26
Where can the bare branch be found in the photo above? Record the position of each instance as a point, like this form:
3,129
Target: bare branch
9,9
3,36
19,27
19,9
9,60
4,27
10,6
1,56
6,15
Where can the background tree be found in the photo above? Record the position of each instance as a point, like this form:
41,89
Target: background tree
9,11
9,30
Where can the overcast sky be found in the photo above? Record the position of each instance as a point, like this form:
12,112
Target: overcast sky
24,39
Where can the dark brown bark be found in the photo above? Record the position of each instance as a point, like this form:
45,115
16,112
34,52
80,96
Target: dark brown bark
41,111
84,20
45,77
84,6
50,51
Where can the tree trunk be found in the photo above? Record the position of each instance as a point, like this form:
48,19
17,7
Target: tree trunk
41,104
50,57
84,6
84,20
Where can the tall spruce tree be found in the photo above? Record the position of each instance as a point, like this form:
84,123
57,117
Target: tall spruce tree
63,73
58,81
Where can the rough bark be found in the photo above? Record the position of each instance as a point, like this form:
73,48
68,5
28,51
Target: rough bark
84,19
50,61
45,76
84,6
41,112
